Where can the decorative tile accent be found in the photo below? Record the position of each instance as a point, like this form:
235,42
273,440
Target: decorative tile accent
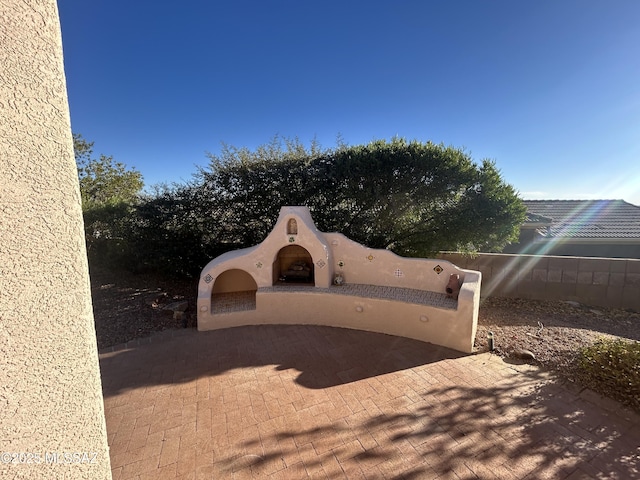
208,278
259,265
292,239
341,264
321,263
370,258
408,295
398,273
233,302
438,269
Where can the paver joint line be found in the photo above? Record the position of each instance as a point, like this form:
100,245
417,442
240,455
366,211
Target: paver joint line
316,401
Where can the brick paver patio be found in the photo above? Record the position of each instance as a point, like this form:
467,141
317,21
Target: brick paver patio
290,402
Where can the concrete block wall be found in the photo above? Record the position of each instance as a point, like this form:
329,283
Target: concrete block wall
604,282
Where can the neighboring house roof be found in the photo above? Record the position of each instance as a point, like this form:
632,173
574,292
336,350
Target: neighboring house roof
535,220
584,219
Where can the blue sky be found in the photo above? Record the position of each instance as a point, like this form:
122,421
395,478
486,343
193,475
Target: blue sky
548,89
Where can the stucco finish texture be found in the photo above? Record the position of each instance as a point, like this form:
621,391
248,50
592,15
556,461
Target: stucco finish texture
50,392
441,321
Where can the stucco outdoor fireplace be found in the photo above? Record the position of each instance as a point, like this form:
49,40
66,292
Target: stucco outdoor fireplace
289,279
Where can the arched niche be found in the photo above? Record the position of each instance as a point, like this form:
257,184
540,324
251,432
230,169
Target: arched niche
292,227
293,264
233,291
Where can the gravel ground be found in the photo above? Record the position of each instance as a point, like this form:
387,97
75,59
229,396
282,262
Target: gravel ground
130,306
552,330
127,306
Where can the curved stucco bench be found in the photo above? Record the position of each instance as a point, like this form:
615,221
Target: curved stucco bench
382,292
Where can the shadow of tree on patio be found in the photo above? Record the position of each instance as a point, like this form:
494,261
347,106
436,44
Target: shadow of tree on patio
323,356
323,401
543,431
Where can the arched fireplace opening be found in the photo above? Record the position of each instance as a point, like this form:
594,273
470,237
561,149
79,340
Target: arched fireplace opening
293,264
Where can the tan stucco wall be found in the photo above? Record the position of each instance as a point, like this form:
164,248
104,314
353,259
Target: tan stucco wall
379,267
234,281
331,253
50,390
450,328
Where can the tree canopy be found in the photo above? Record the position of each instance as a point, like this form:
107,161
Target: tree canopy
410,197
109,191
103,181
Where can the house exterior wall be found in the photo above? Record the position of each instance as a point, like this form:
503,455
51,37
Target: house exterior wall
592,248
50,389
604,282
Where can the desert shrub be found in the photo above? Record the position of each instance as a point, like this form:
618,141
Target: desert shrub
612,367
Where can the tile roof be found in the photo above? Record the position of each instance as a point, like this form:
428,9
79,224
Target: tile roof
610,219
535,219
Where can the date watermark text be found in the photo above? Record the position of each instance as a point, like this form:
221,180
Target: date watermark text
52,458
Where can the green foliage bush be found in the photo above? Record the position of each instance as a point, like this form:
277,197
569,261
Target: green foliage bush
412,198
171,232
109,192
409,197
103,181
612,367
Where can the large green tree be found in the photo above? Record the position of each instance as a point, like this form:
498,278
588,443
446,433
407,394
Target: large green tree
245,189
103,181
109,192
413,198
